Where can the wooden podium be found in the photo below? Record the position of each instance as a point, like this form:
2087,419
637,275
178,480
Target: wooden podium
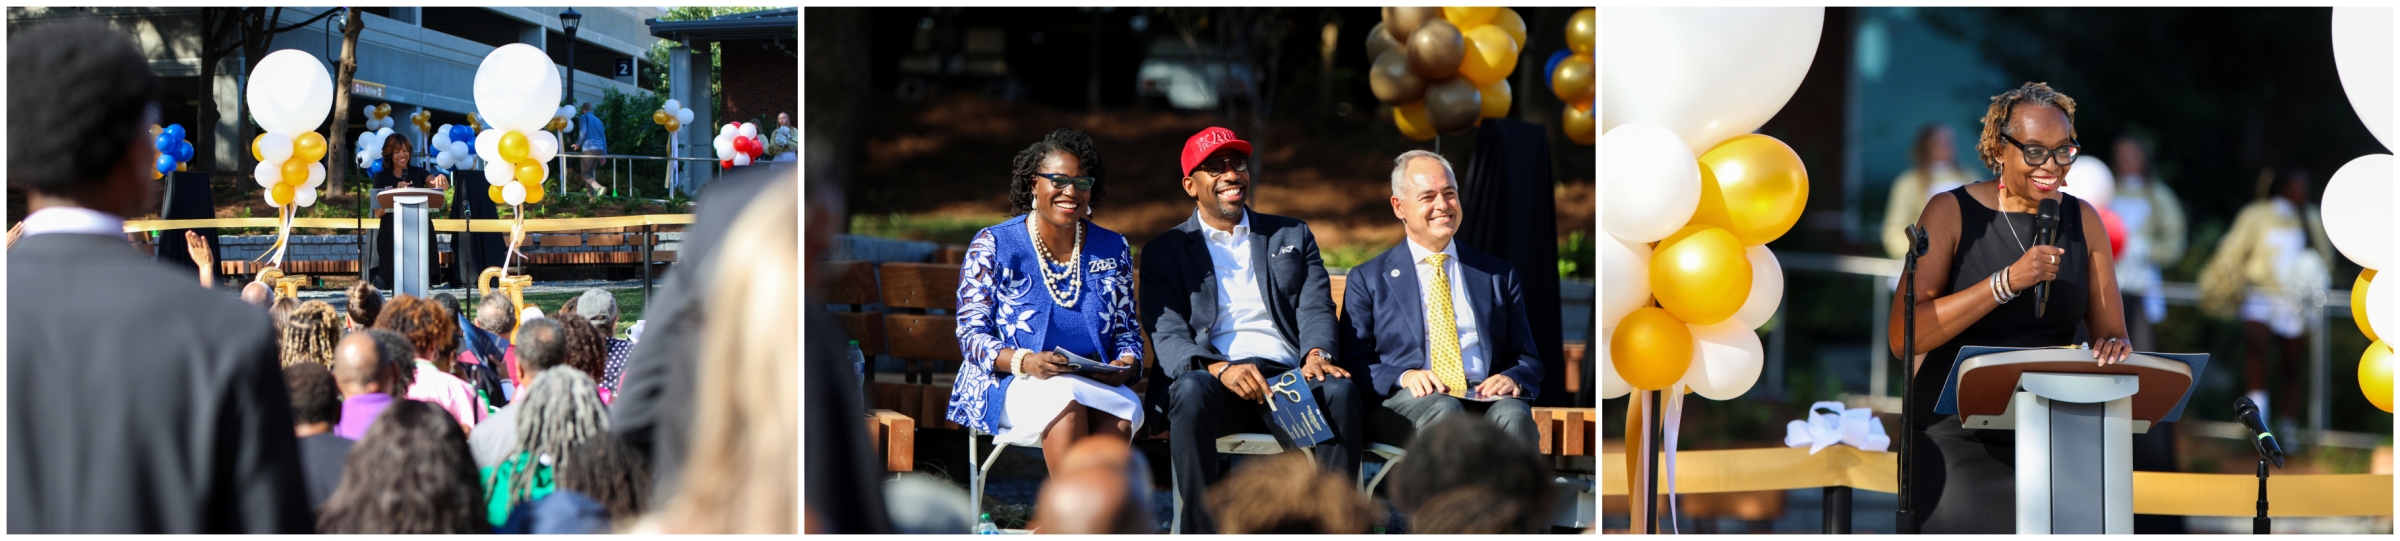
412,236
2075,422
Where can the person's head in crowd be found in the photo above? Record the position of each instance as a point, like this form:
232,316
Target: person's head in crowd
1934,146
1044,172
309,333
1465,476
365,302
496,314
1216,173
360,366
1289,494
258,294
92,104
585,348
449,303
559,409
1102,488
280,311
316,402
399,357
600,308
739,475
431,330
602,468
541,344
2029,140
411,474
2293,185
783,119
2132,156
396,153
1425,197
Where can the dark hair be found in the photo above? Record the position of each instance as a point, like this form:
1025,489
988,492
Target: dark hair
79,93
309,333
2003,108
586,349
1920,150
390,143
280,311
365,303
602,468
449,302
496,314
1288,494
1463,451
427,326
398,356
1029,161
411,474
314,398
541,344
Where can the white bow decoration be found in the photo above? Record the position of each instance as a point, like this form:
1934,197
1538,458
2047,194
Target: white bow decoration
1856,427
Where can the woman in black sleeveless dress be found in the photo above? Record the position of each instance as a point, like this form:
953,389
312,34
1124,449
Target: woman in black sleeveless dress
398,173
1982,254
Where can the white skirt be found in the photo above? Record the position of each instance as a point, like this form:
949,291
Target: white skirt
1034,403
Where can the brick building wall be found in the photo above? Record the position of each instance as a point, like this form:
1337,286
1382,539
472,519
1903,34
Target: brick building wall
759,80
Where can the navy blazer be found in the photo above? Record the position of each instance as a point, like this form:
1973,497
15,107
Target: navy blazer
1383,318
1179,291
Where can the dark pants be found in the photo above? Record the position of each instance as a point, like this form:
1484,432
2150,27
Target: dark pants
1514,416
1201,409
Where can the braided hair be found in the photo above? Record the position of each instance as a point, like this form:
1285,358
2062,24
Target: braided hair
1029,161
309,334
558,410
1996,118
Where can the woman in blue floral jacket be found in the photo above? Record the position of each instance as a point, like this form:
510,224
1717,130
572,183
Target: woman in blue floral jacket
1045,280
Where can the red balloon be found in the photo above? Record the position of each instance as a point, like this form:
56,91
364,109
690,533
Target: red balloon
2116,231
726,164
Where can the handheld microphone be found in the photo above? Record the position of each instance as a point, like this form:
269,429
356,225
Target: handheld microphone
2262,440
2045,232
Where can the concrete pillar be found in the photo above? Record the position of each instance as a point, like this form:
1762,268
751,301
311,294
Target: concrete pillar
536,36
687,75
415,16
227,92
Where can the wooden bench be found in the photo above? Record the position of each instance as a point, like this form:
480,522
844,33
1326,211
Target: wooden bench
895,438
1567,431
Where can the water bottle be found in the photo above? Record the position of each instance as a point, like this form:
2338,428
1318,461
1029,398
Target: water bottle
858,367
985,526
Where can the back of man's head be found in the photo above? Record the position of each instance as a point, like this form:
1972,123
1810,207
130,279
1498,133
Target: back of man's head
80,96
314,397
358,365
1101,489
496,314
1290,494
399,358
541,344
1461,452
258,294
365,303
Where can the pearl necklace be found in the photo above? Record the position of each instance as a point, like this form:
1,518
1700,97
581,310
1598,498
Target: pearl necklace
1072,277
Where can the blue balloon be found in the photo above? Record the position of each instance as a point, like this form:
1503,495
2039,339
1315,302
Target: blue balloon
1555,58
465,135
375,167
166,164
163,143
183,151
175,131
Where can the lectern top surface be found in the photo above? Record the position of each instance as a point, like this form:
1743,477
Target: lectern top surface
1983,379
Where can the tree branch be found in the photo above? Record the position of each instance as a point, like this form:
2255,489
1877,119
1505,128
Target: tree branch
311,20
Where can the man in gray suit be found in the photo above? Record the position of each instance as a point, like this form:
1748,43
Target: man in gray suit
137,402
1233,298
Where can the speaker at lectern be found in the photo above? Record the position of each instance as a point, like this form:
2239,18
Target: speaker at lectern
2075,422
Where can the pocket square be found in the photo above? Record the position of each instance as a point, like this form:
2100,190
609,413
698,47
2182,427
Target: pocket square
1287,249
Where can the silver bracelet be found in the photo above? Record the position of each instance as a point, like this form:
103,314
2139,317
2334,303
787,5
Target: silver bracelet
2000,292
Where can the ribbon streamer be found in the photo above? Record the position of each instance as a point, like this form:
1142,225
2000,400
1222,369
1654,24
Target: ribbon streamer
1673,425
283,236
1854,427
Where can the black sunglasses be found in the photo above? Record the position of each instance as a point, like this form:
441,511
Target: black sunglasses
1061,181
2035,155
1223,165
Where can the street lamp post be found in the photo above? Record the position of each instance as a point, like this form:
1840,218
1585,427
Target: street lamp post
569,19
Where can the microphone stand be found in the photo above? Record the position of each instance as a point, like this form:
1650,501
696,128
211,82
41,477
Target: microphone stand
2261,524
1906,520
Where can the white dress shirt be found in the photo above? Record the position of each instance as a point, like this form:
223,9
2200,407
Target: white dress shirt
1243,328
73,220
1470,341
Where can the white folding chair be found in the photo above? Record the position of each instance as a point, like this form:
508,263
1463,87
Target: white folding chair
1247,443
1391,457
982,469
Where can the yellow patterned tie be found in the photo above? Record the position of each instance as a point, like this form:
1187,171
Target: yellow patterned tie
1441,331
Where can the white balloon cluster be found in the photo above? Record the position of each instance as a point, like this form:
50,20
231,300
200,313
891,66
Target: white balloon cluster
379,117
290,95
563,120
370,145
672,116
737,144
516,91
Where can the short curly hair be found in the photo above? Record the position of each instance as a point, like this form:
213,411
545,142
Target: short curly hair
1029,161
1996,118
309,334
426,325
587,349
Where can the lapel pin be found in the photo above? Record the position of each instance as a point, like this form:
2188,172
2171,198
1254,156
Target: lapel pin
1395,273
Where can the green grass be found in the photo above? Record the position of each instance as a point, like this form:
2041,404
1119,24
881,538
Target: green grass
944,229
629,305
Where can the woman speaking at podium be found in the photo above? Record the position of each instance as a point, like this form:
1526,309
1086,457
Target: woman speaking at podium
1976,286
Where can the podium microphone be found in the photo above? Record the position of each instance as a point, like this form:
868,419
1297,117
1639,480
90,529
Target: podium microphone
2045,232
2262,440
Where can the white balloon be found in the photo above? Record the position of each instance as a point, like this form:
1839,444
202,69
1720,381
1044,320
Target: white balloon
749,130
1675,67
290,91
316,176
269,195
487,143
513,193
683,116
497,175
2358,211
545,145
459,147
1652,181
2383,307
1611,384
564,111
445,160
305,196
516,88
1766,287
671,105
570,126
731,128
2362,54
1624,278
276,147
724,148
386,131
2090,180
268,174
741,159
365,161
441,141
1725,360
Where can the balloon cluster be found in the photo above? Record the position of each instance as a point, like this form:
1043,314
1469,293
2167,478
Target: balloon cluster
450,147
737,145
370,146
1569,74
173,152
379,117
672,116
517,89
1693,198
1444,69
289,96
563,120
423,120
2357,201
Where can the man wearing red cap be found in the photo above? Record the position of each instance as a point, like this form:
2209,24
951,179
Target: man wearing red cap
1234,298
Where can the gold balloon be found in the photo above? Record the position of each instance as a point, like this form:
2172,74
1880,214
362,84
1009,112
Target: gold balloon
1580,29
1572,78
1379,41
2358,304
533,193
1403,21
295,172
494,191
1412,121
1701,274
2375,375
282,193
1752,186
1435,50
1453,105
1496,99
1578,125
1490,55
254,151
1651,349
1391,80
673,124
513,147
183,166
1469,15
1508,21
308,146
659,116
529,172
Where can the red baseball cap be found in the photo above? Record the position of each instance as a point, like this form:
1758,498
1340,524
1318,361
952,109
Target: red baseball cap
1200,145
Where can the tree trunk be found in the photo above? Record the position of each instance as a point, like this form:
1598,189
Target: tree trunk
336,145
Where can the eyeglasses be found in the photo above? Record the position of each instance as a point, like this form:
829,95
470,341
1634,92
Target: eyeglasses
2035,155
1223,165
1060,181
